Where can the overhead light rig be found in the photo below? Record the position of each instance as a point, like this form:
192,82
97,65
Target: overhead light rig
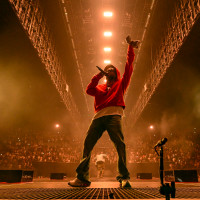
75,41
139,32
33,20
133,22
107,22
185,15
79,20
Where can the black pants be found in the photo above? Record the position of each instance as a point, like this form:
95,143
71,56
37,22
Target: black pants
111,123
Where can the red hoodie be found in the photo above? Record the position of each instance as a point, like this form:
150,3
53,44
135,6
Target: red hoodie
114,96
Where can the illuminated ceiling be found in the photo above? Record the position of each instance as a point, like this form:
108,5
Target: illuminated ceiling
86,24
160,26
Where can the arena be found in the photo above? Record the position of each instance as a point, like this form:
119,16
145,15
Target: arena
99,99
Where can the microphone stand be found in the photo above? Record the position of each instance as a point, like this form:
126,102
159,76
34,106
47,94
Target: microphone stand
165,189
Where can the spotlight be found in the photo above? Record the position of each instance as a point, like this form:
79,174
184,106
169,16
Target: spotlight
151,127
107,49
107,34
107,61
107,14
57,125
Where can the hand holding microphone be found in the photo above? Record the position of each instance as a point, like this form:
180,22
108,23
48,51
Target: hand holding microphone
101,70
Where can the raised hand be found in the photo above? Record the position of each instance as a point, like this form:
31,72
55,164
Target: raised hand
133,43
128,39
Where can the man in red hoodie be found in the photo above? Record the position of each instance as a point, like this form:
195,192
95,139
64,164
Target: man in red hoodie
109,105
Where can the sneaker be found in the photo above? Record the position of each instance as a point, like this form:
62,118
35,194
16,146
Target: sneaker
78,183
125,183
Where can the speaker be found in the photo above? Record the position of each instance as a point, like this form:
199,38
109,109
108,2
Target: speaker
27,176
58,176
144,175
186,175
10,176
169,175
15,176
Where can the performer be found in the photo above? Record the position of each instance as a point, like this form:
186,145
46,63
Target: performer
109,105
100,164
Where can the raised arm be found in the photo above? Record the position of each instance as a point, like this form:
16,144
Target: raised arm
128,68
91,88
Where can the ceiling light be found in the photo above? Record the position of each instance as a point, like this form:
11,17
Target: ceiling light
57,125
107,34
107,49
107,14
107,61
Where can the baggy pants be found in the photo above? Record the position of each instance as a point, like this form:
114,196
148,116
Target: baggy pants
111,123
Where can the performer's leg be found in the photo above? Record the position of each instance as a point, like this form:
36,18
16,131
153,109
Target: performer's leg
115,132
103,167
98,170
99,173
95,131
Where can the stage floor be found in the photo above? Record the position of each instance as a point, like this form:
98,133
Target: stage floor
105,188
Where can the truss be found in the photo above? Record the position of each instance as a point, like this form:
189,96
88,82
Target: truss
185,15
72,30
32,18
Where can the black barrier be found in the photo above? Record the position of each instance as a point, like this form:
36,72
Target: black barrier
136,168
27,176
186,175
10,176
44,169
16,176
58,176
144,175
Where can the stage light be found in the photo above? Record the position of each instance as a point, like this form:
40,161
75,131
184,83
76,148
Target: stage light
57,125
107,14
151,127
107,49
107,34
107,61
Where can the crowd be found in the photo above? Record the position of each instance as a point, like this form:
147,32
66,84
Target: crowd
20,151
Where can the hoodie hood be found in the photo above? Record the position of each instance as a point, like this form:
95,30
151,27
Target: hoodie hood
118,74
116,71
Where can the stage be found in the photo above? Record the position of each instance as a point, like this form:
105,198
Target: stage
105,188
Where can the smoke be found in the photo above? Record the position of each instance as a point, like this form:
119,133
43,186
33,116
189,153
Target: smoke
167,123
196,109
10,96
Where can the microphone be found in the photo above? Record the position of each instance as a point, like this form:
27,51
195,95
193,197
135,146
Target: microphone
160,143
101,70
